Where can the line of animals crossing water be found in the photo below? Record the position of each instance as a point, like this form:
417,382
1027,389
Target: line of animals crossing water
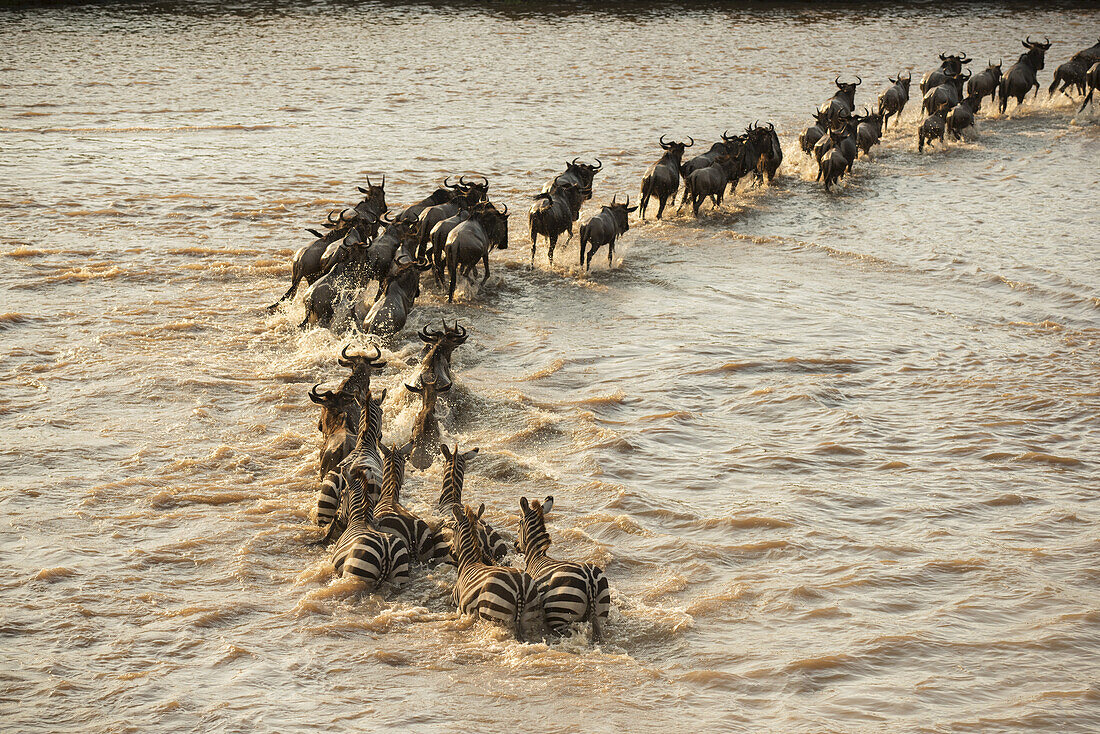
449,235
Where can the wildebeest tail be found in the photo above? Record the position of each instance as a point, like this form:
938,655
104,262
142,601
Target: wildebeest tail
1088,99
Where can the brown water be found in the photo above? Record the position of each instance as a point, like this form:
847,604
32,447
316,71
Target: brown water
838,454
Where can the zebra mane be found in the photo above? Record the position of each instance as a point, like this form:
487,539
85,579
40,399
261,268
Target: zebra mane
465,546
454,472
393,474
533,537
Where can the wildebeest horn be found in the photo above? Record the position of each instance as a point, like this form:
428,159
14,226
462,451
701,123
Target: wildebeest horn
447,185
462,181
598,167
574,161
320,397
386,218
330,219
691,143
663,143
504,212
315,233
1028,42
837,81
1046,42
613,198
383,184
943,57
859,80
771,126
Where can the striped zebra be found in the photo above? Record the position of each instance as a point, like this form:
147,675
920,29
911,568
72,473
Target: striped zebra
454,473
501,594
570,591
360,551
390,516
361,466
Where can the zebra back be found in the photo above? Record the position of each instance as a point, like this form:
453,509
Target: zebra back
454,472
363,552
570,591
393,476
363,465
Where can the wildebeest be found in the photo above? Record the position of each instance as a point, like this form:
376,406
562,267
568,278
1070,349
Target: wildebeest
951,66
833,163
388,314
425,434
439,347
581,174
398,242
1021,76
438,240
869,130
950,93
333,294
961,115
470,242
1070,74
466,195
710,182
604,228
705,159
339,421
809,137
1093,80
843,135
985,82
933,127
763,152
553,214
843,102
441,195
893,100
662,179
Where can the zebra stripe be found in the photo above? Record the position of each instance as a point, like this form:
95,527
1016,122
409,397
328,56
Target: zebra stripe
328,497
365,553
454,472
500,594
391,517
570,591
363,465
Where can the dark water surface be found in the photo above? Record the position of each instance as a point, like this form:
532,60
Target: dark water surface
837,453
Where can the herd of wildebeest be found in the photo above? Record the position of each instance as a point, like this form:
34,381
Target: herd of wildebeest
451,233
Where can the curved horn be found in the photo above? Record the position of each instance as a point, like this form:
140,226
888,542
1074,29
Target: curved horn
837,81
386,218
462,181
1046,42
943,57
771,126
859,80
598,167
726,134
691,143
1028,41
383,184
504,212
330,219
448,185
574,161
613,198
486,182
663,143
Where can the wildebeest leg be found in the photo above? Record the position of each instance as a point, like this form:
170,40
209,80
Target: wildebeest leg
661,205
553,244
532,247
610,253
486,259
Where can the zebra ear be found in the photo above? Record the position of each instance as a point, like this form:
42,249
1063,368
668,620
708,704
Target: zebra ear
387,451
547,504
480,511
446,451
455,512
524,505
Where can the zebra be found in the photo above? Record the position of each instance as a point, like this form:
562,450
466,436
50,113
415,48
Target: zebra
500,594
454,471
361,466
389,514
362,552
570,591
